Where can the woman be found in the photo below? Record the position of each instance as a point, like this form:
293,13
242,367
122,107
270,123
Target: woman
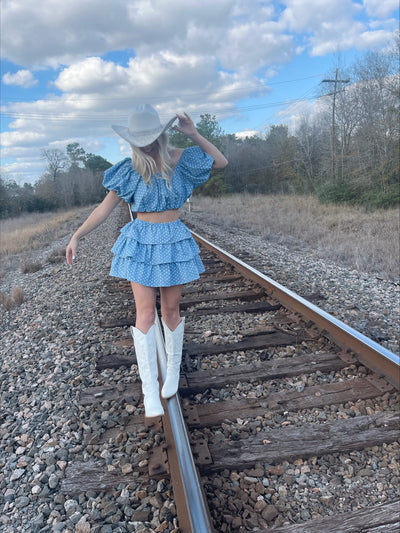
156,249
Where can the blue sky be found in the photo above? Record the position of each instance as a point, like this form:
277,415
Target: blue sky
71,69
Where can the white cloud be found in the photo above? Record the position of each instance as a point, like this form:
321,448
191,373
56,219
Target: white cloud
374,39
201,57
97,93
254,45
247,133
91,75
22,78
62,33
310,15
380,8
21,138
59,32
332,25
250,34
21,169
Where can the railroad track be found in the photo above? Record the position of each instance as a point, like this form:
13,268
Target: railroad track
272,390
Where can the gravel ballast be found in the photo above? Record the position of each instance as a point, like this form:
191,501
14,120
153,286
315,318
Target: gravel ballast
50,344
365,302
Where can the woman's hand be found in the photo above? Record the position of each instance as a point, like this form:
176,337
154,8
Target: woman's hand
96,217
186,125
70,252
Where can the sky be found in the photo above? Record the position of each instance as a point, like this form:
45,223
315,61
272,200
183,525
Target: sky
69,70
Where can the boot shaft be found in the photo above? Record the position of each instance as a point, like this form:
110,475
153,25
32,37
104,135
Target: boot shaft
173,347
174,339
146,356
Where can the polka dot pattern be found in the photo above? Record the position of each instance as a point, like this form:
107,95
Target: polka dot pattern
158,254
192,170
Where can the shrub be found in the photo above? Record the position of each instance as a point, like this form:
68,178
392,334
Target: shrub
31,266
339,192
56,256
17,295
6,301
390,197
215,186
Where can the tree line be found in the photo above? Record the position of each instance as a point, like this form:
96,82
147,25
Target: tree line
345,150
72,178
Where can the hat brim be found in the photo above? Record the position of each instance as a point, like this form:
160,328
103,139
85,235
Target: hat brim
142,139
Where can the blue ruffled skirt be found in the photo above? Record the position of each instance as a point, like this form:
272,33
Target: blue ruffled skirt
156,254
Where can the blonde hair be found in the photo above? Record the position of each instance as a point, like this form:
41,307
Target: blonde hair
146,166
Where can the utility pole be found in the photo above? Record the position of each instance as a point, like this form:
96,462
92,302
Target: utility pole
335,81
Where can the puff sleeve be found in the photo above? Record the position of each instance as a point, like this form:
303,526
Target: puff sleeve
123,179
195,165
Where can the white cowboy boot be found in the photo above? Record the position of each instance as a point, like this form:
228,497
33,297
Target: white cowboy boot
146,356
173,347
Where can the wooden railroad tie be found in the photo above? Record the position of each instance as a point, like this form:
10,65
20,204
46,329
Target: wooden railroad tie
271,446
275,368
318,396
276,445
374,519
85,476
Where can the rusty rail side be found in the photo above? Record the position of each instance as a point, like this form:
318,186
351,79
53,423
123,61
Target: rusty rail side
374,356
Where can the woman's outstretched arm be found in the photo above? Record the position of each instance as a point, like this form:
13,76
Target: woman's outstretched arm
96,217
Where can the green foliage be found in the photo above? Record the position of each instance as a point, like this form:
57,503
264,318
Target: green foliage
383,199
90,161
352,193
96,163
208,127
75,153
215,186
177,139
339,192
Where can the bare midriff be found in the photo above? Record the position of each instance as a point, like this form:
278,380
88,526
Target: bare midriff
162,216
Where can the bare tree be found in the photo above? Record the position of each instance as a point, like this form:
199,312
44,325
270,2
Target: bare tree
377,134
56,161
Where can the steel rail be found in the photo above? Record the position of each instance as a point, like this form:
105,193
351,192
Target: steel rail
376,357
190,499
193,513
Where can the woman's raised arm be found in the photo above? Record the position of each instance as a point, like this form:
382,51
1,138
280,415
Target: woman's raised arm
187,127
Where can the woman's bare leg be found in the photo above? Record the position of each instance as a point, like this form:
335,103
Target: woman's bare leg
170,298
145,302
144,337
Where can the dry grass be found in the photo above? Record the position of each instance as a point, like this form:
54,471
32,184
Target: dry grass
56,256
6,301
33,231
17,295
16,298
368,242
28,267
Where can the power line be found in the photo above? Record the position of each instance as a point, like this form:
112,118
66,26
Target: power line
106,118
165,98
306,97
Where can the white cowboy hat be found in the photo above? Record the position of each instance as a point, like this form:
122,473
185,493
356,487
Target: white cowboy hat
144,126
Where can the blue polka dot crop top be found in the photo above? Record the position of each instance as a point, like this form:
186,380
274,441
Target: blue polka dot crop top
192,170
